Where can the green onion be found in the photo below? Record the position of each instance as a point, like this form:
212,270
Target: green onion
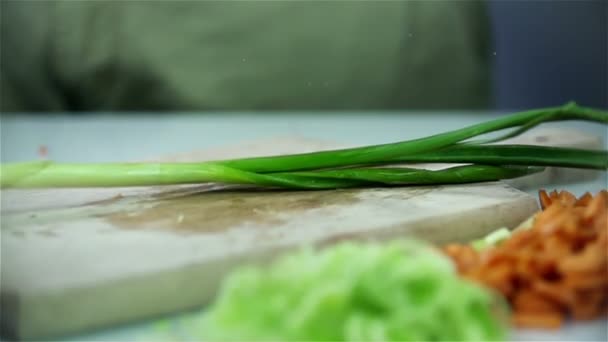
408,176
44,174
513,155
354,167
49,174
382,153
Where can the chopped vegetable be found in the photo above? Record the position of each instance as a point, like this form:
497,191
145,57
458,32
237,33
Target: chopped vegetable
400,291
554,270
354,167
491,239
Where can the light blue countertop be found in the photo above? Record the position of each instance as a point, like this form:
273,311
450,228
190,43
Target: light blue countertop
116,137
124,137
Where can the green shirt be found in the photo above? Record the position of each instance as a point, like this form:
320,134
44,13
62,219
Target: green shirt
243,55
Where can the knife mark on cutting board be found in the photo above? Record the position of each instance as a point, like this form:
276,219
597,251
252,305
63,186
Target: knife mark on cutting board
196,210
213,212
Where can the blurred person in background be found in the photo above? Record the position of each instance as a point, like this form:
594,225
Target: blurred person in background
244,55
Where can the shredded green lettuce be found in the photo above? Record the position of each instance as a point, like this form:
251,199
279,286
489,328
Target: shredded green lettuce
397,291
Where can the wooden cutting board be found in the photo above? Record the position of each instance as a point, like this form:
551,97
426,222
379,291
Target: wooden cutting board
78,259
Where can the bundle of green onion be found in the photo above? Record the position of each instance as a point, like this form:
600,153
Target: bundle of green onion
375,165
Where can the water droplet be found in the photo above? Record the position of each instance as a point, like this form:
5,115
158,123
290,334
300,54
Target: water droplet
410,35
494,53
244,59
309,83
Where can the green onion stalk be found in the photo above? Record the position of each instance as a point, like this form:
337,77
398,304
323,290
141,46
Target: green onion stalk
376,165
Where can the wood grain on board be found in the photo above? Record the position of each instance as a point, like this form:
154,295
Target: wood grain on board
78,259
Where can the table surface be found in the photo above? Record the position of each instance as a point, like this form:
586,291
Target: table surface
103,137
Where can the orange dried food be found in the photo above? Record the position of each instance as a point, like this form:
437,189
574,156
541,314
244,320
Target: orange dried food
530,301
556,269
545,320
464,256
